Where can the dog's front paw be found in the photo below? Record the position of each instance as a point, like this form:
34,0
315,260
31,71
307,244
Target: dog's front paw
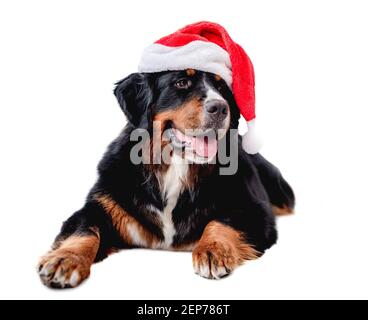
214,260
220,250
60,269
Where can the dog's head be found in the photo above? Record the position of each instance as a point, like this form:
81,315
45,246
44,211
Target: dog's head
194,109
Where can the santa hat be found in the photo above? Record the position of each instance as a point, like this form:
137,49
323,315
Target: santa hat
207,46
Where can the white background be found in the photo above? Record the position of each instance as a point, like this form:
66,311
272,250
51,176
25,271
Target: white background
58,63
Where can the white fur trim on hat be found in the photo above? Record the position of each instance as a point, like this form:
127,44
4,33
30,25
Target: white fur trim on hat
199,55
251,141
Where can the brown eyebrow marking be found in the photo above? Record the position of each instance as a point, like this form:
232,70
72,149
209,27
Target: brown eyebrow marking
190,72
218,78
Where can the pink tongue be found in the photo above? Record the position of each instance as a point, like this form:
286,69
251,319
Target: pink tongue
204,147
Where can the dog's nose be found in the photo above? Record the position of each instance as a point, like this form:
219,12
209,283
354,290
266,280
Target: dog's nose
217,109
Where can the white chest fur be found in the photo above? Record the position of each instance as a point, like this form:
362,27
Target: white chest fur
171,185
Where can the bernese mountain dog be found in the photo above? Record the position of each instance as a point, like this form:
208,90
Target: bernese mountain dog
187,202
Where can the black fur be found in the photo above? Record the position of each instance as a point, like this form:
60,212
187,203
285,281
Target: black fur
242,200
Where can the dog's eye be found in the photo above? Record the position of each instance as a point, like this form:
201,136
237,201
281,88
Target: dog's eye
183,84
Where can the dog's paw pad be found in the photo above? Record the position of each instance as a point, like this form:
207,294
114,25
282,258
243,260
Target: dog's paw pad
213,261
62,270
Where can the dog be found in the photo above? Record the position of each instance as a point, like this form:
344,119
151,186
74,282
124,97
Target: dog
184,204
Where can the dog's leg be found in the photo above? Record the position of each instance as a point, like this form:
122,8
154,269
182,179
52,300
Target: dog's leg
84,239
70,260
279,191
220,250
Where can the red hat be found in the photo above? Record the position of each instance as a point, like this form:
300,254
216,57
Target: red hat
207,46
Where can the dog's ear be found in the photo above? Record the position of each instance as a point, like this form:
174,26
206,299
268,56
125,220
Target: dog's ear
135,96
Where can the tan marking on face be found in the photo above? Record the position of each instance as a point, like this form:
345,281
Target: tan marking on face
284,211
125,224
155,151
218,78
222,247
187,116
190,72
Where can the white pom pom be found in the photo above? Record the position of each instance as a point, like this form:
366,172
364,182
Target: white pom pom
251,141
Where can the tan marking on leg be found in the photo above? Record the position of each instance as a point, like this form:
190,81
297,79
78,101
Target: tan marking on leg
220,250
126,225
284,211
69,263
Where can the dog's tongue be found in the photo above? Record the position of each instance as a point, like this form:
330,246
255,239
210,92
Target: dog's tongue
203,146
